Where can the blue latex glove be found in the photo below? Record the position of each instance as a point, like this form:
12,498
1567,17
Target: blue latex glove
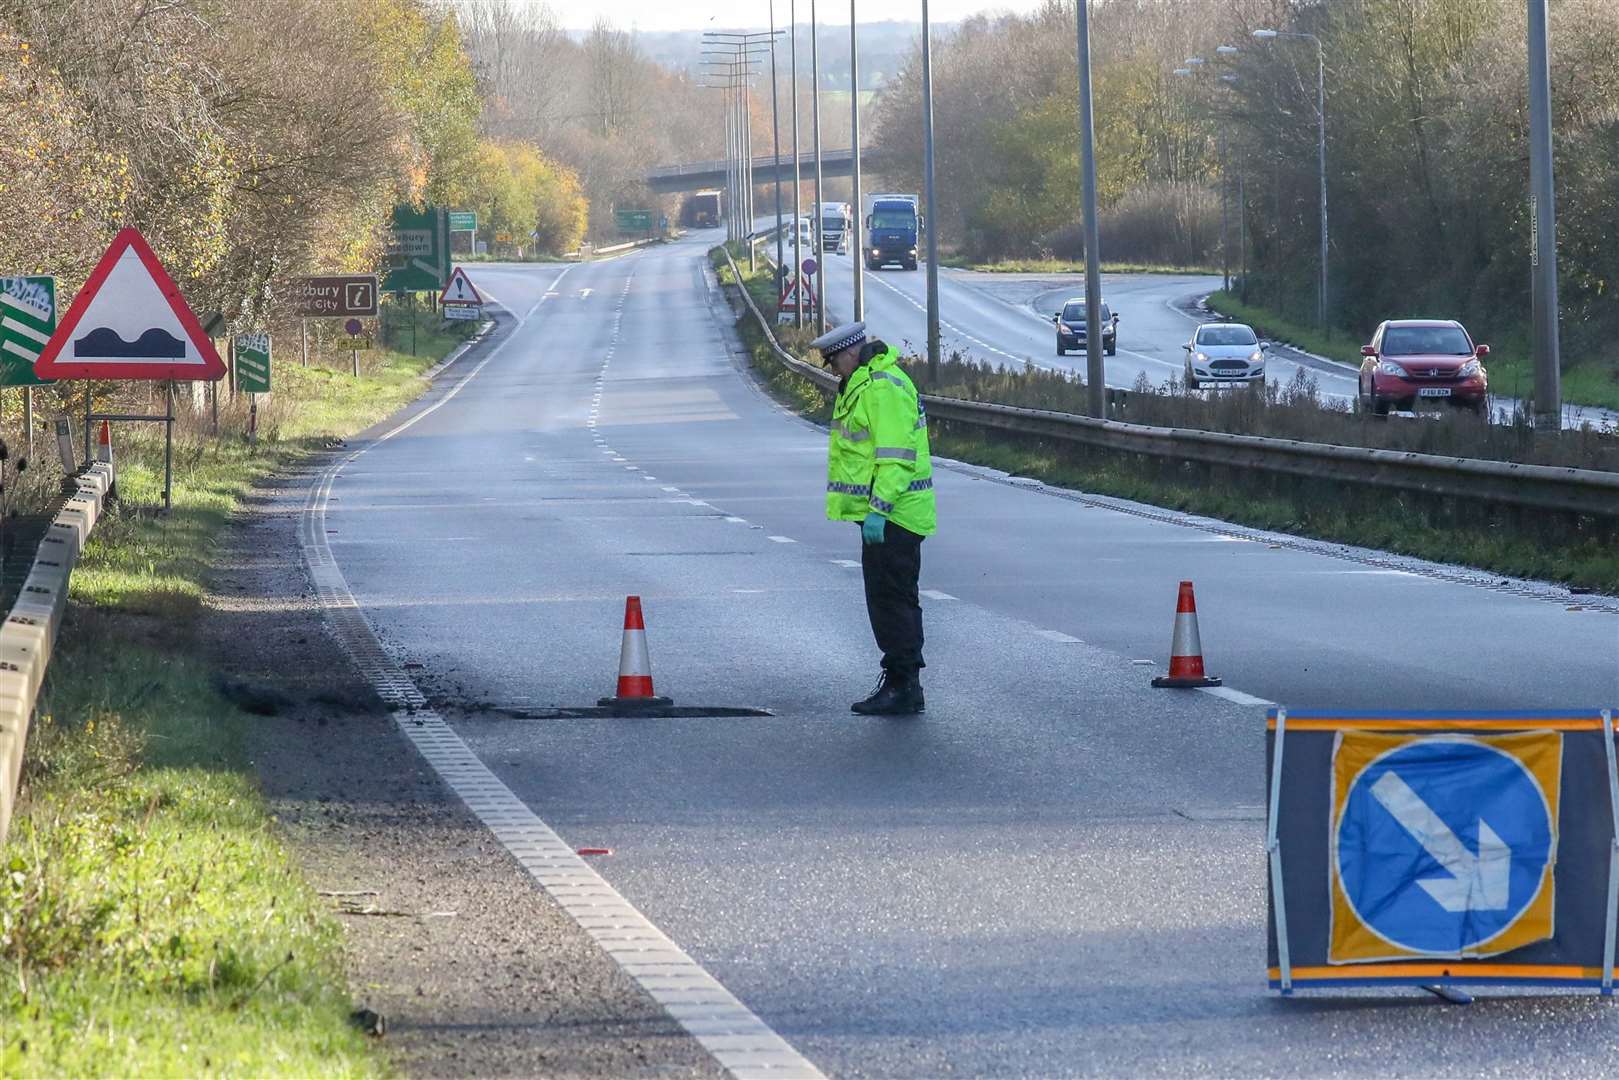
871,530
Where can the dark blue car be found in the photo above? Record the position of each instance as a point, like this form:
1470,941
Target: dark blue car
1071,328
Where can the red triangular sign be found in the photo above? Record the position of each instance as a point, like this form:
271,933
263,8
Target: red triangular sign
459,290
129,322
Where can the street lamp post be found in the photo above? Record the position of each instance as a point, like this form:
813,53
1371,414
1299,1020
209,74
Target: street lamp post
745,48
738,64
1242,198
1223,153
726,81
1225,249
815,136
1321,147
1543,228
1095,371
798,181
854,144
932,222
775,137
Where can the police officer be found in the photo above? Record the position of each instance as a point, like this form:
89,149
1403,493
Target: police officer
878,473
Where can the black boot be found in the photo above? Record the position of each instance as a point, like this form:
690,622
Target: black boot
896,695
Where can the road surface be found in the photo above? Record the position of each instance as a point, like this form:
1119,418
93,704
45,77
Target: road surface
1057,870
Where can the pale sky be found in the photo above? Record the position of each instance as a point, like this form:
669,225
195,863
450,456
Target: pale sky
710,14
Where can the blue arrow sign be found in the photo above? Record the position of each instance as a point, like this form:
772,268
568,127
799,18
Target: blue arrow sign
1443,844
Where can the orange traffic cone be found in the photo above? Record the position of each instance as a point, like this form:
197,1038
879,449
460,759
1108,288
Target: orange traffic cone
634,665
1186,650
104,443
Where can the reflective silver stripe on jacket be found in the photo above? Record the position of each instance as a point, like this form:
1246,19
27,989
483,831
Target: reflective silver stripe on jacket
852,436
834,488
921,485
895,379
896,453
880,506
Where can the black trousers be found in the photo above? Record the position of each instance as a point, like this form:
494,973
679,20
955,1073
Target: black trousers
891,570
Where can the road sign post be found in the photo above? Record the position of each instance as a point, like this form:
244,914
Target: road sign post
27,320
418,253
253,363
633,221
334,296
64,445
1442,849
461,299
353,327
129,321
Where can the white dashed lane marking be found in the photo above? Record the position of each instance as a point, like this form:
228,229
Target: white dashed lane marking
1058,635
935,594
1236,697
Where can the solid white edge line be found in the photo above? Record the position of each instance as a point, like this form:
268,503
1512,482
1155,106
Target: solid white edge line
744,1045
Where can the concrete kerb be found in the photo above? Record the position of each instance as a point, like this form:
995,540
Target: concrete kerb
28,635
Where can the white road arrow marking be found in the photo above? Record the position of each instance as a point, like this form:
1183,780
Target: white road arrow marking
1477,882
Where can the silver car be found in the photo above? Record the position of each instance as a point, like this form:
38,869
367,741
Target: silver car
1225,352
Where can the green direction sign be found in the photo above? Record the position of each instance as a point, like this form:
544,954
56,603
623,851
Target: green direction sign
463,221
636,221
27,320
418,258
253,363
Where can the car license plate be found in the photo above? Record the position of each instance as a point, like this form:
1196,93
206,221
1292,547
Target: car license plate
1434,391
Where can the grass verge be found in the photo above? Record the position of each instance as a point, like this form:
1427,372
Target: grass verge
151,922
1511,371
1061,266
1577,549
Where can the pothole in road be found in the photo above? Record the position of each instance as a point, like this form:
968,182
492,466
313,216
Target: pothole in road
603,712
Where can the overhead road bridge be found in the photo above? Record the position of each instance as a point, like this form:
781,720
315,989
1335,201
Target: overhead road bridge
701,175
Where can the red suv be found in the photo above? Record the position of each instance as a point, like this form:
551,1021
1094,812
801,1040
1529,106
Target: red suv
1423,358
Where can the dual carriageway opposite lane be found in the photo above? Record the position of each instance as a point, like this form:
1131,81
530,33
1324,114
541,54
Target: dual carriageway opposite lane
1006,319
1057,870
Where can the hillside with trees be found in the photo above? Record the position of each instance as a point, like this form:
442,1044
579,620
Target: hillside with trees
1427,150
249,142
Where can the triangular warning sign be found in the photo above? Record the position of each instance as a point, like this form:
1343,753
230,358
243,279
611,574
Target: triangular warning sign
459,290
129,322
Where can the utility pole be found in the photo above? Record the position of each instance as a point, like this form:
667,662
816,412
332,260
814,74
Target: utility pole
931,224
730,163
1321,145
739,141
815,135
1225,217
1546,350
798,181
1095,373
1242,234
775,139
851,228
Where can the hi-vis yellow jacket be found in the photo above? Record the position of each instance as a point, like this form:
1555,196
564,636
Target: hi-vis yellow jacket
877,458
